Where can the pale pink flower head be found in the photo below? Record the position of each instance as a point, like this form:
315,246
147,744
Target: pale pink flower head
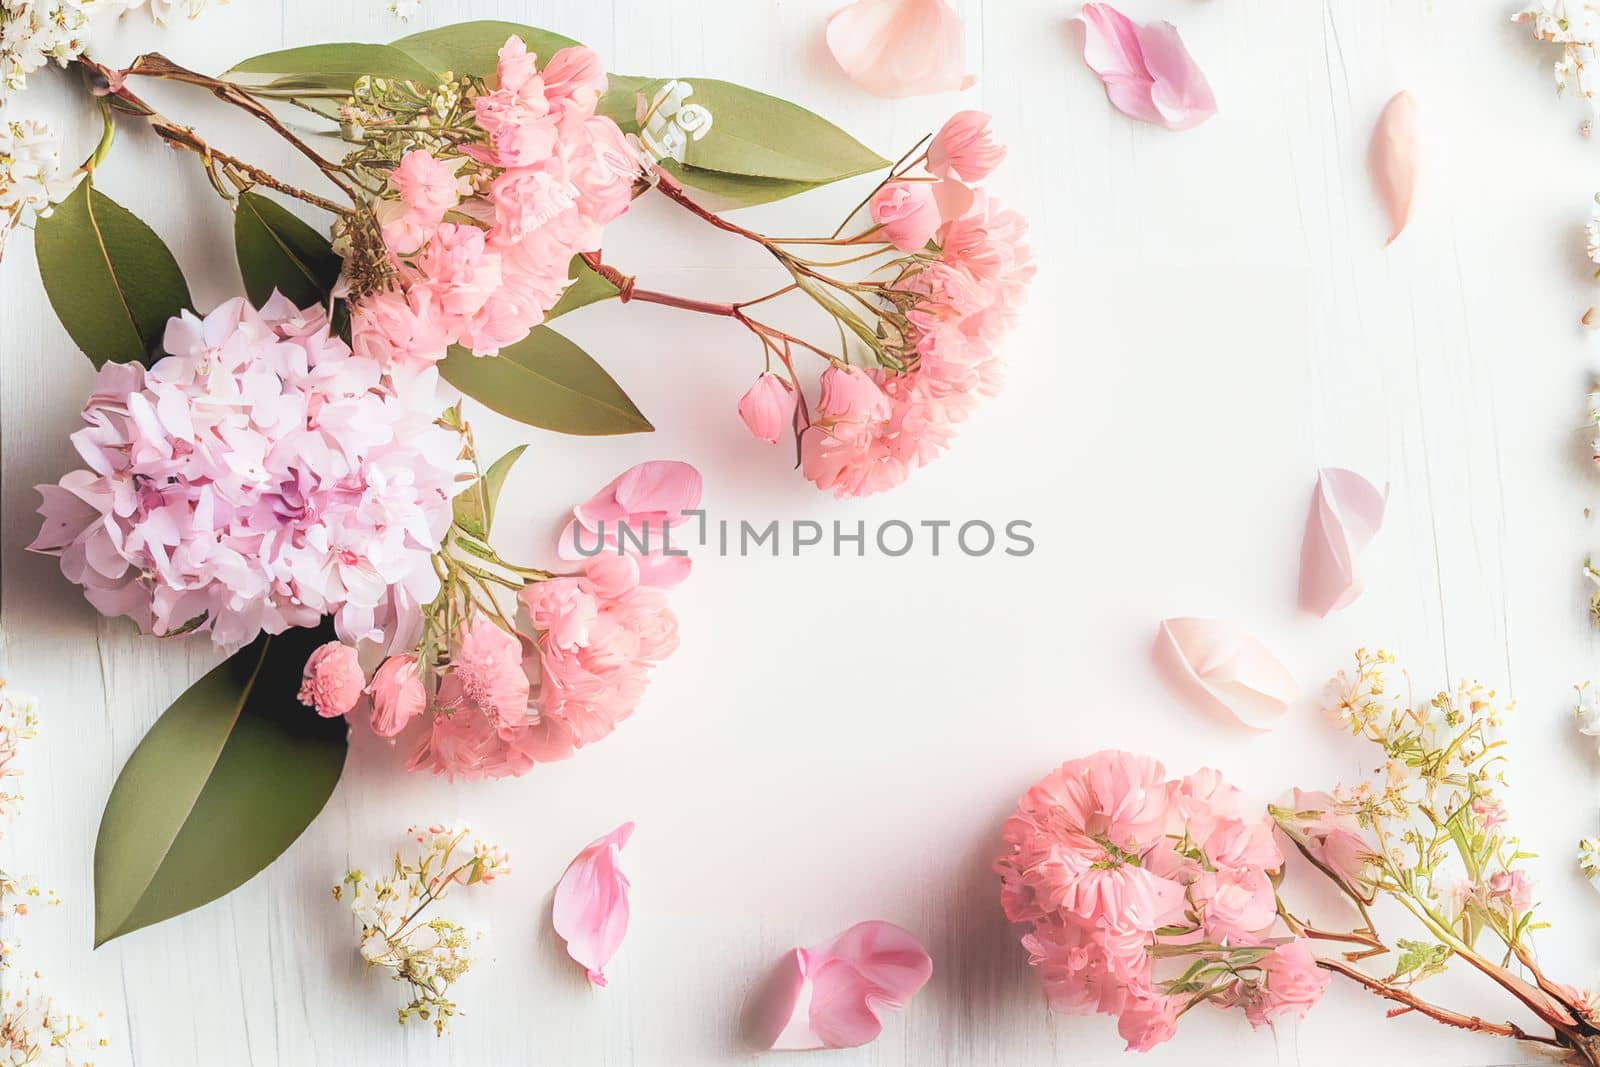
1236,904
398,695
1148,1021
577,74
1331,834
768,407
1513,887
428,188
908,214
964,149
333,681
258,477
1294,984
634,514
1489,811
591,908
486,671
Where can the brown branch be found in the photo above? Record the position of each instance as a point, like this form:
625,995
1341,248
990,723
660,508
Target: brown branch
1412,1002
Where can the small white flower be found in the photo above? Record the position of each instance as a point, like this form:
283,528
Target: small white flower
1587,711
404,9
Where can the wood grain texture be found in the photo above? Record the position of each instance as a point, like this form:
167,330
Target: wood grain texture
839,739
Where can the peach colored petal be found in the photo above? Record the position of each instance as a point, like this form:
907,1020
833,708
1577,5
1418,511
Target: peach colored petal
1230,667
896,48
591,908
1346,514
829,996
1392,158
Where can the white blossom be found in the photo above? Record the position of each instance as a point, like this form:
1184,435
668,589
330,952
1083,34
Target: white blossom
1575,26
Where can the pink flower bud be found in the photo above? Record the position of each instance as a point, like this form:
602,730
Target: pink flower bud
332,681
965,149
768,408
908,212
397,695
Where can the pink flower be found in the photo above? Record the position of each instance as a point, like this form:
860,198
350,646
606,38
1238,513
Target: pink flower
768,407
908,214
401,331
258,477
397,695
898,48
1332,835
830,995
1148,74
1235,904
964,149
1294,984
486,671
633,514
428,189
1148,1021
1514,887
333,681
591,909
1490,812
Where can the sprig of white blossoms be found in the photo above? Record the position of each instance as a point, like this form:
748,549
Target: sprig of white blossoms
1575,26
19,722
31,176
34,33
33,1031
429,955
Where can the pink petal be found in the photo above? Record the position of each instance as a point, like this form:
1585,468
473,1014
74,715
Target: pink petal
1346,514
1230,667
659,486
829,996
1181,92
898,48
1392,158
591,904
1148,73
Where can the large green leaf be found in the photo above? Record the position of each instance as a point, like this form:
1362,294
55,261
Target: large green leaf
222,784
547,381
111,280
332,66
737,190
474,47
587,288
474,506
277,250
764,137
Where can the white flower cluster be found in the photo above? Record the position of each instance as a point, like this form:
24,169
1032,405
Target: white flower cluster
404,9
35,1033
31,178
34,33
19,722
1575,25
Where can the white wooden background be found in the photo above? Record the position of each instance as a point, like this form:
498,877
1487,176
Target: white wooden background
839,739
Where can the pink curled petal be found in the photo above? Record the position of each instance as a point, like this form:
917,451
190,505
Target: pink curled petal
1111,44
1230,667
1179,91
829,996
591,909
895,48
1392,158
1346,514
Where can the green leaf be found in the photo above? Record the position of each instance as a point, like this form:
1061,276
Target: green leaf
1420,958
587,288
332,66
475,506
222,784
111,280
547,381
277,250
737,190
474,47
761,136
621,100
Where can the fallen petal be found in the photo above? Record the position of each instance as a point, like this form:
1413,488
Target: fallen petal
1180,91
1392,158
829,996
895,48
1346,514
1230,667
591,904
1147,71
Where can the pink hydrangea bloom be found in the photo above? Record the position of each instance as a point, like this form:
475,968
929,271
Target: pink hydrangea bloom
1105,852
258,477
550,174
965,301
333,680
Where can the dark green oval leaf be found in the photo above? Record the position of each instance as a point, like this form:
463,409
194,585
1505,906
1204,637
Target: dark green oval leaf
111,280
223,783
475,505
331,66
587,288
474,47
547,381
277,250
762,136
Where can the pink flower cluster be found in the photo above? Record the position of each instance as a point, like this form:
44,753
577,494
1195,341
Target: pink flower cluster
576,665
258,477
1147,896
871,429
547,175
